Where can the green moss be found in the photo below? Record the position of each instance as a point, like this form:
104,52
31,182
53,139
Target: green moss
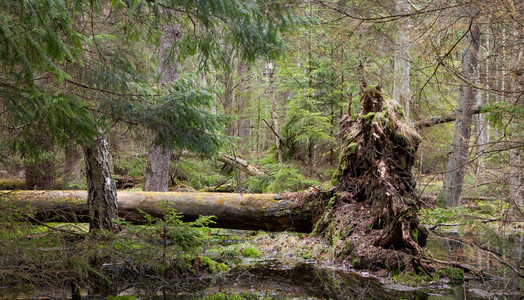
251,252
368,116
12,184
454,274
410,278
355,262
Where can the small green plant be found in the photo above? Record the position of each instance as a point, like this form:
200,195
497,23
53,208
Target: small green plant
454,274
251,252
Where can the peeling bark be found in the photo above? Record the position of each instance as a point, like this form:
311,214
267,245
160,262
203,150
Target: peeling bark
101,196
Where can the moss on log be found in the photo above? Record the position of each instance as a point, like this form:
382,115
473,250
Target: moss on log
235,211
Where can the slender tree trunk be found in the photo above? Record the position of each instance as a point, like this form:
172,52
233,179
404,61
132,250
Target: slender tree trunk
229,96
274,112
401,90
481,124
159,158
452,188
101,198
516,183
259,120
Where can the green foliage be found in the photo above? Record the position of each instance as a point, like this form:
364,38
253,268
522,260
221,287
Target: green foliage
289,179
454,274
198,173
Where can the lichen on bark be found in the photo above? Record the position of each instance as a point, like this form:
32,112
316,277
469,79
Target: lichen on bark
370,214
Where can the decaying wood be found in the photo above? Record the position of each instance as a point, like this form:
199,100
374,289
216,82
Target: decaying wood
442,119
235,211
371,212
241,164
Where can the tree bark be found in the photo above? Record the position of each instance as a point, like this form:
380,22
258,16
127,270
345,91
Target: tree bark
235,211
401,90
458,159
157,171
101,196
481,124
159,158
274,112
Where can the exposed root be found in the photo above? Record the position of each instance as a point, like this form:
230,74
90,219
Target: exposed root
370,215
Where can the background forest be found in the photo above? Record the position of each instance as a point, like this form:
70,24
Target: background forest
209,89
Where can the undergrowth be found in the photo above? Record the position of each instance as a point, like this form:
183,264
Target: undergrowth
55,255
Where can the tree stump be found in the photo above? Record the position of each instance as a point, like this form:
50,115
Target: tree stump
370,214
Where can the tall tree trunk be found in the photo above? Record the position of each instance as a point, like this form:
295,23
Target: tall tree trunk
229,95
401,90
515,153
101,198
516,183
274,112
458,159
481,124
159,158
40,175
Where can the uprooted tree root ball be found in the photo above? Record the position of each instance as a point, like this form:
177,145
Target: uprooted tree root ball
370,214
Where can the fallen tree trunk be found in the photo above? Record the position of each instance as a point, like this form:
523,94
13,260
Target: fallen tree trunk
442,119
239,163
235,211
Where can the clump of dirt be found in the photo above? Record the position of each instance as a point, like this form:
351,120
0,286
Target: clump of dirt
370,214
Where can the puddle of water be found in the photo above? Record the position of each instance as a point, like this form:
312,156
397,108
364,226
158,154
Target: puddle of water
309,279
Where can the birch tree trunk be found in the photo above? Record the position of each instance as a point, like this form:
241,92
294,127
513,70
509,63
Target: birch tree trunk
101,189
159,158
274,112
481,124
458,159
401,90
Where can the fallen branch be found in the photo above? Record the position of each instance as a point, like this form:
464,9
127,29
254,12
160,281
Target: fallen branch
442,119
241,164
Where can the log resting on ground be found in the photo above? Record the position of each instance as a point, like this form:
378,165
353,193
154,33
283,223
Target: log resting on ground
235,211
